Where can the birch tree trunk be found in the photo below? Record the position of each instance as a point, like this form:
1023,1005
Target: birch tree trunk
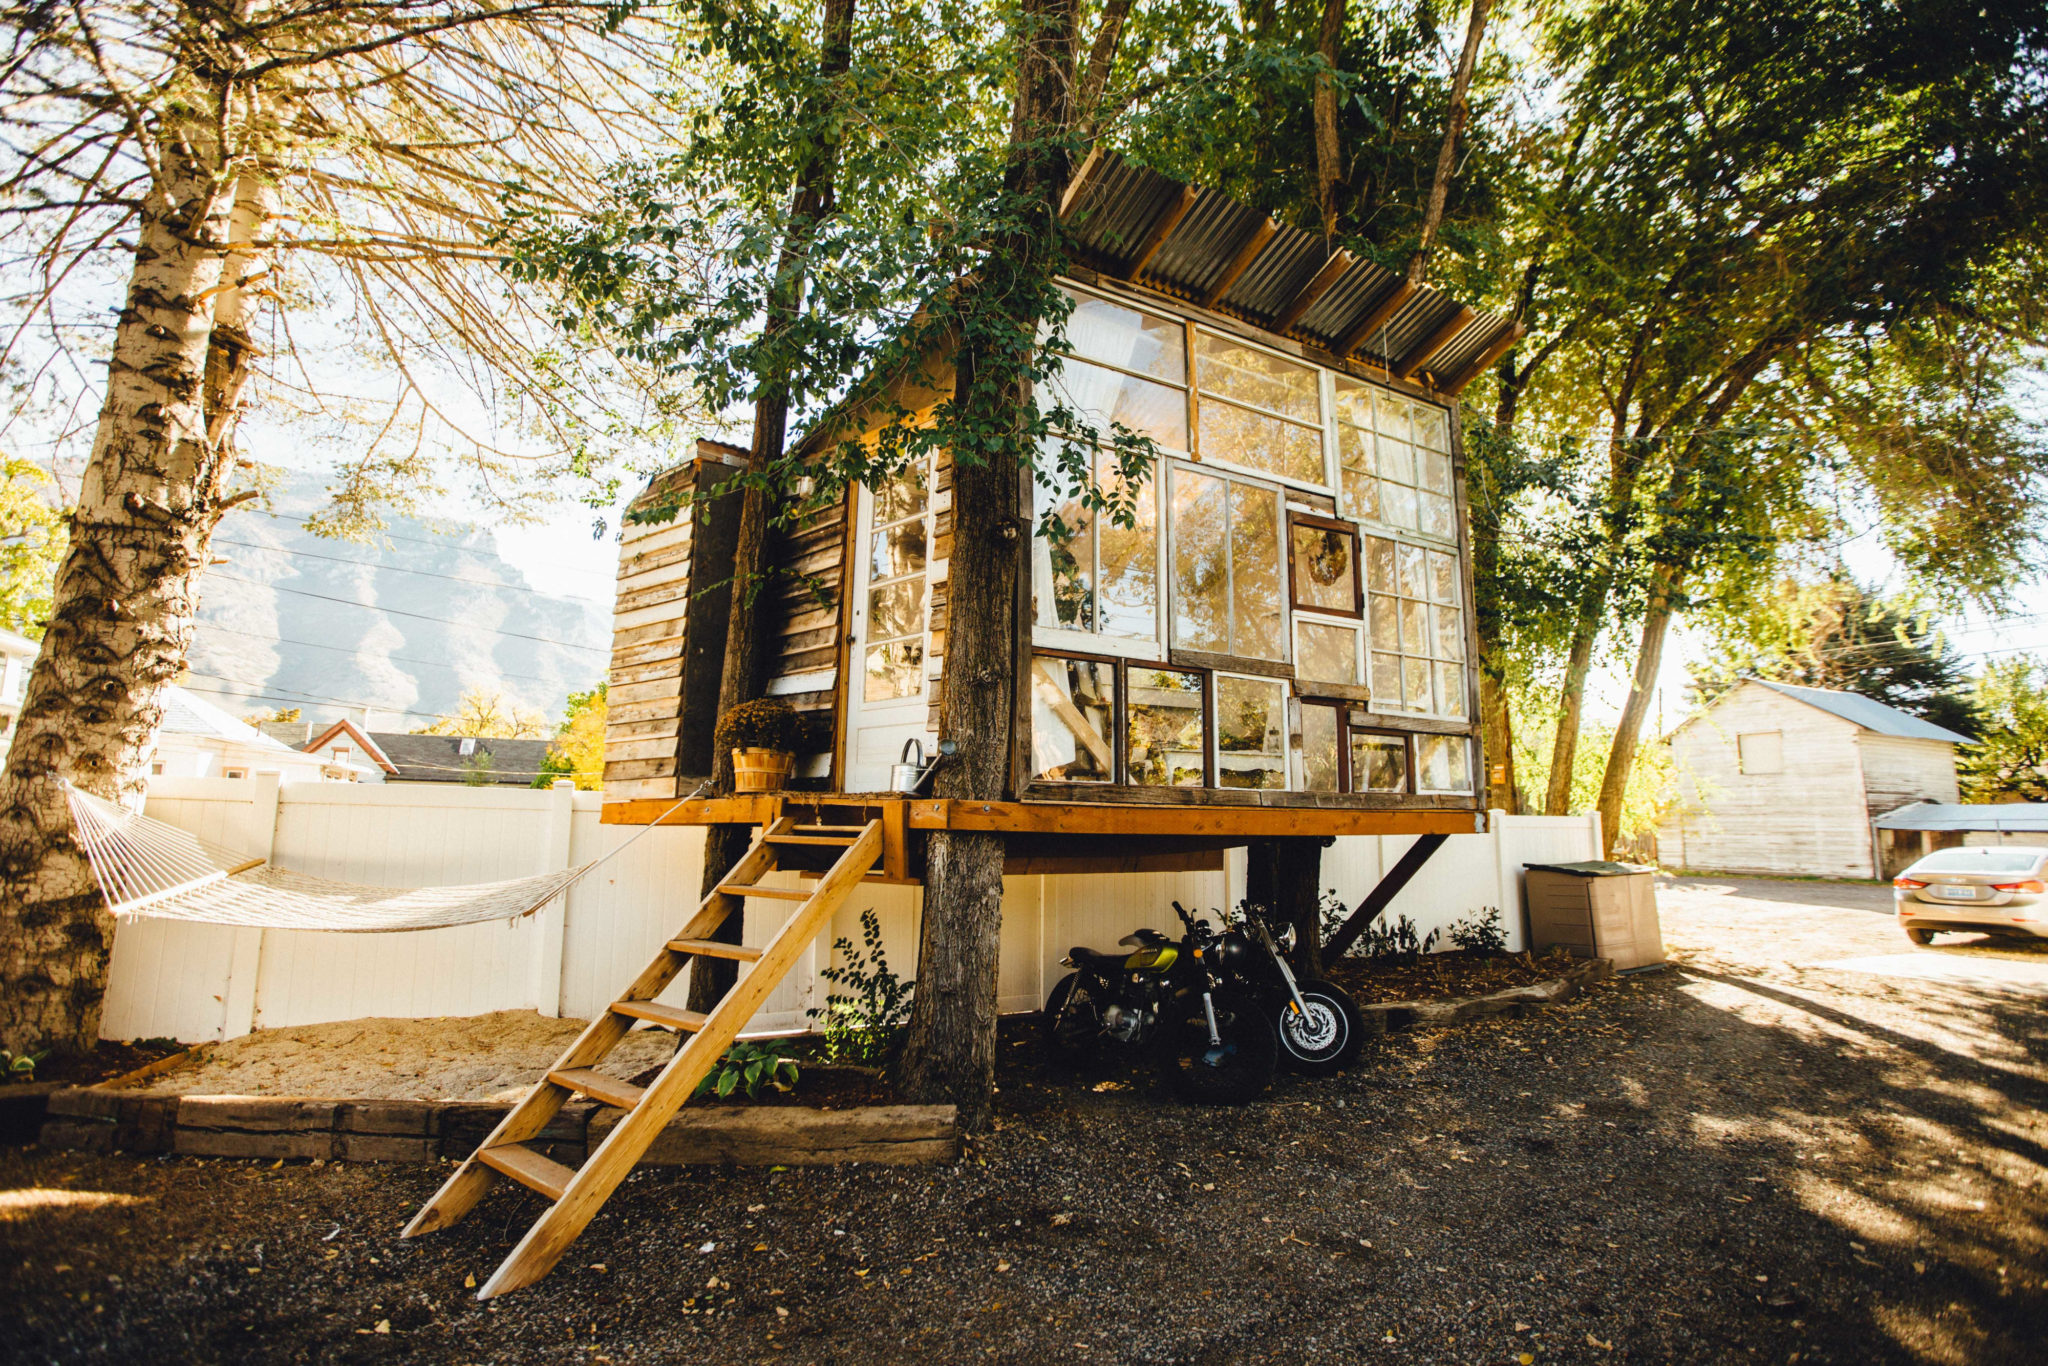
949,1055
1666,582
127,600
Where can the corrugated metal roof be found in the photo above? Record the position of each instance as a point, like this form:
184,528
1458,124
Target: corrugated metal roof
1119,206
1866,712
2023,816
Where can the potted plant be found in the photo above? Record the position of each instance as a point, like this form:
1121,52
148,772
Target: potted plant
763,737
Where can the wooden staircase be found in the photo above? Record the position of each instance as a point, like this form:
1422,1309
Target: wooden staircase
578,1193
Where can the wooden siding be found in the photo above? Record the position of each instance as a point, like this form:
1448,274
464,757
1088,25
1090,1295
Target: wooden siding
1897,771
1808,819
806,607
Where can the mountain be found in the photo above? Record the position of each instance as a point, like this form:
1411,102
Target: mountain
401,627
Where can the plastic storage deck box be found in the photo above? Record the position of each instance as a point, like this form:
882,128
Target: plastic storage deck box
1597,910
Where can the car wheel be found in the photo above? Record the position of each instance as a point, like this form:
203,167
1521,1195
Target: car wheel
1920,936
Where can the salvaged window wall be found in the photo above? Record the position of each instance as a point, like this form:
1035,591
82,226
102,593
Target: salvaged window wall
1287,610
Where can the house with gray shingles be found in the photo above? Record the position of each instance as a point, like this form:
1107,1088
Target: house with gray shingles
1776,778
479,762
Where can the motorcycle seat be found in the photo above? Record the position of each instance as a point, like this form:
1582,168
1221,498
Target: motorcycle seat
1089,958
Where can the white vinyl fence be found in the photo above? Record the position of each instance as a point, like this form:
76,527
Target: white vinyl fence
199,982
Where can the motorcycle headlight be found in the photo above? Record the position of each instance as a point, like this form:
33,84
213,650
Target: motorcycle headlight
1233,951
1284,937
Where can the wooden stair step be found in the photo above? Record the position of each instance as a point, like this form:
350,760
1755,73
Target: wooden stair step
773,893
672,1017
854,830
714,948
528,1168
840,841
590,1082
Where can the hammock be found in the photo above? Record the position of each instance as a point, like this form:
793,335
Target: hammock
149,869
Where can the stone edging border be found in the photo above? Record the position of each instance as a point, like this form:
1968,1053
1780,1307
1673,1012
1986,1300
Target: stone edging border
1514,1001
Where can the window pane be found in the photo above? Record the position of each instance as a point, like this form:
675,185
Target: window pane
1063,561
1443,576
1379,564
1128,604
1442,765
1123,336
1362,496
1450,689
1251,734
1354,402
1319,749
1397,505
1235,370
901,496
1393,416
1167,740
1325,569
897,610
1379,763
1397,461
1255,572
1073,720
1414,563
1430,428
1386,622
1415,685
1414,628
895,670
897,550
1326,654
1243,437
1450,633
1435,470
1201,583
1438,516
1098,397
1386,682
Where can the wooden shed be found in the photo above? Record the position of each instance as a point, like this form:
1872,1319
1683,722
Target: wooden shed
1281,646
1776,778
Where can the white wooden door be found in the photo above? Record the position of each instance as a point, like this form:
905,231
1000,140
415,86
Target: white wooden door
888,696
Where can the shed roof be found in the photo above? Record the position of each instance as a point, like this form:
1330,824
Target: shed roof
2024,816
439,758
1866,712
188,714
1201,245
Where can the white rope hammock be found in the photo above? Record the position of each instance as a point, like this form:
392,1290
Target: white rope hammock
150,869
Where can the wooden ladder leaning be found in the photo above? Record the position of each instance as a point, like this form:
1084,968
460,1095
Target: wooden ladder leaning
578,1193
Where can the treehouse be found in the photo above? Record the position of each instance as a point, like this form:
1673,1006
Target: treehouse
1280,645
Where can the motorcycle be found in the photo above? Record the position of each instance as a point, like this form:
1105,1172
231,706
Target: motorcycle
1171,999
1319,1026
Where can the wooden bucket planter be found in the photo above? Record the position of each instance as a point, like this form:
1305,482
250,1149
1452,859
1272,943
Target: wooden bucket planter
761,770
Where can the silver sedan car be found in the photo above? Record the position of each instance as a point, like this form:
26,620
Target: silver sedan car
1997,891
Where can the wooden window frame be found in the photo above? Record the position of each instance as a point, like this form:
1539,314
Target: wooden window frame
1410,787
1123,696
1321,523
1343,710
1169,545
1216,729
1118,768
1321,427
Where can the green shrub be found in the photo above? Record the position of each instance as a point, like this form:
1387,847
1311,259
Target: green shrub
1397,940
864,1026
1481,932
751,1066
769,723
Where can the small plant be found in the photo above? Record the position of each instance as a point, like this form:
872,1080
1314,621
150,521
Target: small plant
19,1066
769,723
752,1066
1332,913
864,1026
1397,940
1481,932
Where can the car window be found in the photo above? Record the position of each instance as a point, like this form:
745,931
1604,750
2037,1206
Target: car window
1980,861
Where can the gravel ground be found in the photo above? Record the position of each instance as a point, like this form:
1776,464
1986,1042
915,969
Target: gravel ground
1749,1158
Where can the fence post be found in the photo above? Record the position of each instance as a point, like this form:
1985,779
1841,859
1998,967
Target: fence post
1599,835
1506,884
239,1006
551,922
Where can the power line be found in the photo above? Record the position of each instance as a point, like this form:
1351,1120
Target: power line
421,616
439,544
343,649
382,567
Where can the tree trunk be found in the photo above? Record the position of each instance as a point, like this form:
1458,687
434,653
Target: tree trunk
1447,155
1666,582
1571,701
949,1055
742,677
1285,877
126,601
1329,154
1497,741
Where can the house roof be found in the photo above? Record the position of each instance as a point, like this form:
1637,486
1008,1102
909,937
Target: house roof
349,728
1866,712
1201,245
439,758
14,643
186,713
2025,816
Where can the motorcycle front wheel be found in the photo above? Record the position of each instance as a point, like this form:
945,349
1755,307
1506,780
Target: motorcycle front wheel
1237,1069
1072,1027
1327,1037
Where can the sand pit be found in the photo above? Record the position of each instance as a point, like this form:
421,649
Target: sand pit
474,1057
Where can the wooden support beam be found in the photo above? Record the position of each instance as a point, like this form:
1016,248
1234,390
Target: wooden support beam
1499,347
1161,230
1091,166
1376,318
1383,893
1241,262
1319,284
1434,342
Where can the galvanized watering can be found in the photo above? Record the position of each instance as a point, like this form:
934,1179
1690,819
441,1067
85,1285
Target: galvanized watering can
909,772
